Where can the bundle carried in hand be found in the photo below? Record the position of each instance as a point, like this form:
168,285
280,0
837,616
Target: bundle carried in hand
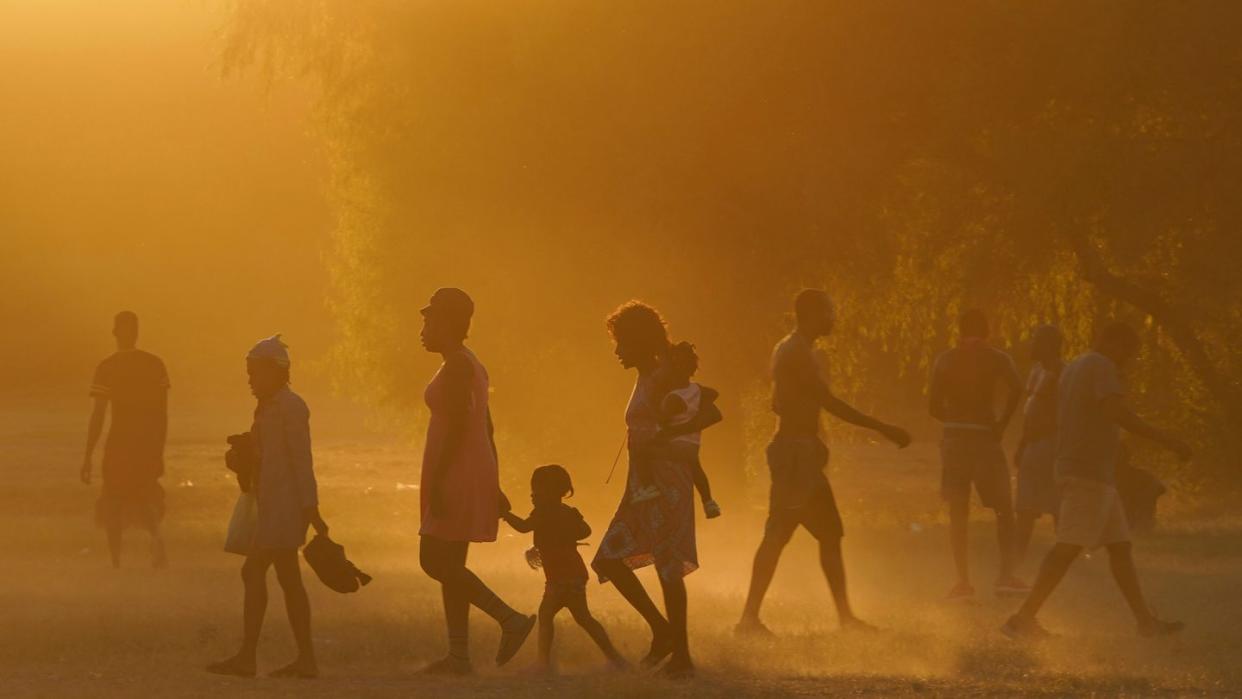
242,458
327,559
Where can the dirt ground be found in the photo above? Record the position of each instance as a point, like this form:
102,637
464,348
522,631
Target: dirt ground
74,627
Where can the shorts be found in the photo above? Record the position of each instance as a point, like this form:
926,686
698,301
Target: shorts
800,494
1091,514
1037,483
974,456
564,594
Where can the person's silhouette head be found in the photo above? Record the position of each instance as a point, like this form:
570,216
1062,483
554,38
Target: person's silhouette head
267,366
640,334
1119,342
973,325
815,312
683,360
1046,344
548,484
446,319
125,330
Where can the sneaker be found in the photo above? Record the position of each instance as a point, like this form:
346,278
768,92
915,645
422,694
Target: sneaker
513,634
1159,627
711,509
1011,587
644,493
1022,628
961,591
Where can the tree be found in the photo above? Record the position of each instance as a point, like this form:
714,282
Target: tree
1047,161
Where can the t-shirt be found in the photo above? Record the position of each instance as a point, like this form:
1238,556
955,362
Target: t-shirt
796,380
558,529
136,384
1041,404
966,377
1088,441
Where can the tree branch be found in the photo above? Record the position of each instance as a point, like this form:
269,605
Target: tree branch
1095,272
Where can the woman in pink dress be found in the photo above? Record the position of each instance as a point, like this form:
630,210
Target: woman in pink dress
460,494
658,531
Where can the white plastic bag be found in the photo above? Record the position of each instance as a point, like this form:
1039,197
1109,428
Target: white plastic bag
242,525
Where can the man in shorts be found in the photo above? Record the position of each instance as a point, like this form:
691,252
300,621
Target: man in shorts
1037,490
135,384
1090,417
797,457
962,395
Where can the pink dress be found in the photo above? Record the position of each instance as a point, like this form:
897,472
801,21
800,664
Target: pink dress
471,481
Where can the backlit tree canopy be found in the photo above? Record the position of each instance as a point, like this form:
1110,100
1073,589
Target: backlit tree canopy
1047,161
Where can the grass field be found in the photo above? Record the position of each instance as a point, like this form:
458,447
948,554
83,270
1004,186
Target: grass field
74,627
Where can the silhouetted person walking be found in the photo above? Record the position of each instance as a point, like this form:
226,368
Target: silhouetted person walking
460,494
964,384
1090,416
135,384
558,528
658,530
287,500
1037,488
797,456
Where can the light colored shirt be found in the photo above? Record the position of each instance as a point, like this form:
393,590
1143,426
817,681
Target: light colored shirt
285,484
1040,416
1088,440
691,398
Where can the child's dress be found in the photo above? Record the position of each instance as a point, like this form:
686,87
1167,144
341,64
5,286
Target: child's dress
558,529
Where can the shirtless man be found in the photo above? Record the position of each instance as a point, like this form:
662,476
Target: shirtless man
797,457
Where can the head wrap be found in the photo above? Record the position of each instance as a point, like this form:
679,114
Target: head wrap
272,348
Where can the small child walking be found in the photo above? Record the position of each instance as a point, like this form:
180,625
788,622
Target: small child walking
558,528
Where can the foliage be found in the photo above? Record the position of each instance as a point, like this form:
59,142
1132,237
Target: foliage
1050,162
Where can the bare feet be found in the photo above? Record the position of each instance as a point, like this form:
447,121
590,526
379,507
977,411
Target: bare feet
1158,627
961,591
236,666
1010,586
448,666
853,623
678,669
1022,628
301,669
661,648
753,628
